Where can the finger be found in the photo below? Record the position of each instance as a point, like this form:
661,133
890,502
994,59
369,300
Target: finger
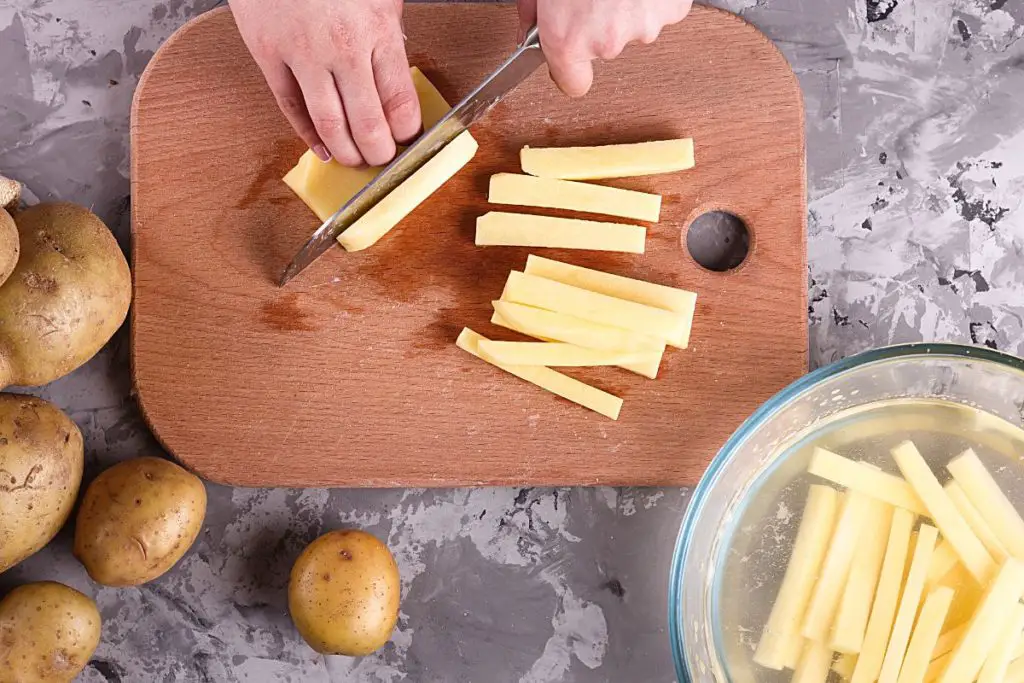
370,130
571,73
394,86
527,17
327,113
289,98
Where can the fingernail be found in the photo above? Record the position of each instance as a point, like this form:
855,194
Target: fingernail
321,153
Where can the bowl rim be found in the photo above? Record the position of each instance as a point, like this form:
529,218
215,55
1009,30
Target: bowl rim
700,492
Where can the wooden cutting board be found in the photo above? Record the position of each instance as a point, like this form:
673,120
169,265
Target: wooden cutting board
350,376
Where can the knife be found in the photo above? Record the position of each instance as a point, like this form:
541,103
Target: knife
523,62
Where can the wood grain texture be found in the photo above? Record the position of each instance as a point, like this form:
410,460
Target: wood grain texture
350,376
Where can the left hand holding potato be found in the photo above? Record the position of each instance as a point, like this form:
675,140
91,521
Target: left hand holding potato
573,33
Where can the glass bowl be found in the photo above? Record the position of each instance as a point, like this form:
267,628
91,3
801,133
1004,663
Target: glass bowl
738,530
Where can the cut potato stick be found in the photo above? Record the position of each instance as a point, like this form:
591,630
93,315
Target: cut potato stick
855,606
998,661
543,324
608,161
968,595
859,476
937,666
500,229
1015,672
883,609
844,665
942,510
991,618
926,634
992,504
557,354
782,629
943,560
910,600
546,378
389,211
679,301
948,640
539,292
836,567
647,369
550,193
815,662
977,523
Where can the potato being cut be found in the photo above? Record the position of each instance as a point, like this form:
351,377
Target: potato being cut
549,193
326,186
500,229
429,178
608,161
679,301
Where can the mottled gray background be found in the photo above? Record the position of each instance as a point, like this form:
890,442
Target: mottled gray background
915,127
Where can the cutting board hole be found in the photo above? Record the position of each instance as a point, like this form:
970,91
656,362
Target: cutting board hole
718,241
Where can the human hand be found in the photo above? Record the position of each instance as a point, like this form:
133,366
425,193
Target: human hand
573,33
339,71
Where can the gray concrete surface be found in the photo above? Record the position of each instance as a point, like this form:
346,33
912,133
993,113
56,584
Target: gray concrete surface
915,126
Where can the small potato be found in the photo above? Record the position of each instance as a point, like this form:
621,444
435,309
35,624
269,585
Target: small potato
9,248
137,520
41,462
48,632
68,294
343,593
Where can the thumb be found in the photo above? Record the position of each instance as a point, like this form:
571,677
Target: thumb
527,17
573,76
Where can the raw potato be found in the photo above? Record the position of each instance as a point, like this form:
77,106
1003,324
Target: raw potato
137,520
10,193
40,471
343,593
9,248
48,632
66,297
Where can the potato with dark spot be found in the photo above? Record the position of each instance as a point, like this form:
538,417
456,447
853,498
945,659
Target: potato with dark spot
137,519
67,295
48,632
41,460
343,593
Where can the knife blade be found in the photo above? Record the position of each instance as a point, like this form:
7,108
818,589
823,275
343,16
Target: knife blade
523,62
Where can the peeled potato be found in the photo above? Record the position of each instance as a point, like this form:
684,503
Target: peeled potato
48,632
41,463
67,295
343,593
137,520
10,193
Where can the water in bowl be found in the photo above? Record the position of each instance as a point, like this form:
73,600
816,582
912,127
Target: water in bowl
759,540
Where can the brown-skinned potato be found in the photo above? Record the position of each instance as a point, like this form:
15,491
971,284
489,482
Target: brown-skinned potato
41,460
67,295
137,519
48,632
344,592
9,248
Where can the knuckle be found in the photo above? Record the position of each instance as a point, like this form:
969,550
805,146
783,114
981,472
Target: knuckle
291,105
370,128
402,104
329,125
343,38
